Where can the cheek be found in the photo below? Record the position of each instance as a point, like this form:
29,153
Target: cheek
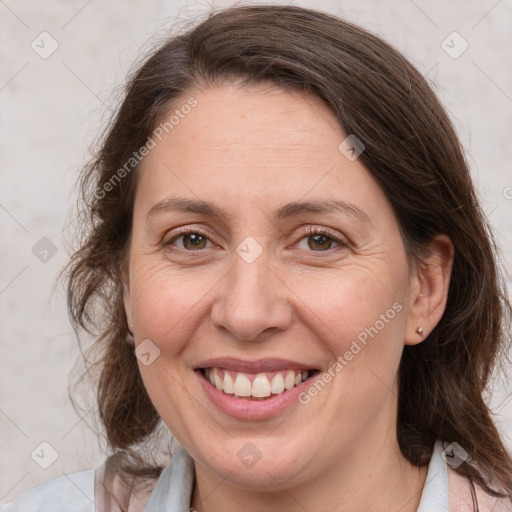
344,303
360,320
167,308
167,305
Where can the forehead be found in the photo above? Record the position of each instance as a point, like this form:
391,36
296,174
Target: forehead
260,145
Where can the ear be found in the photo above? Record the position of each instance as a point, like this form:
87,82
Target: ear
125,282
429,290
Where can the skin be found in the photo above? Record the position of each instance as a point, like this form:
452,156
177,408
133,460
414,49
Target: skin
250,151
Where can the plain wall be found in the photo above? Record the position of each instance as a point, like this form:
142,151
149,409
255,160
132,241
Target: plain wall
51,110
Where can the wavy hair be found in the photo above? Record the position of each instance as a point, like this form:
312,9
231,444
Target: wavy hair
413,153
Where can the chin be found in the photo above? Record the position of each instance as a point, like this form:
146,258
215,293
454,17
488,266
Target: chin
261,464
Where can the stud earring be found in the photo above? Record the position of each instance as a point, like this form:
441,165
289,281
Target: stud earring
419,330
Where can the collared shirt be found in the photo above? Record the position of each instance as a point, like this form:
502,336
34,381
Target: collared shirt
173,491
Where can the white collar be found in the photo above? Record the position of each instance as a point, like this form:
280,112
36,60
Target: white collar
434,497
174,488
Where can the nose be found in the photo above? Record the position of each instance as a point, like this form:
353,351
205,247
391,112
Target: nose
252,302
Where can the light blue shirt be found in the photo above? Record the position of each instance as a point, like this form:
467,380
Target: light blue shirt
173,491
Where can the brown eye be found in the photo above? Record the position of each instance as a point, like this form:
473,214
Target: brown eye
189,240
193,241
319,242
322,240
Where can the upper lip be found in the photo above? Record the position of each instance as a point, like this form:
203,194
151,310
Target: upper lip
253,366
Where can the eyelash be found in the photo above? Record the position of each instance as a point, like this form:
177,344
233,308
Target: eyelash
311,231
307,232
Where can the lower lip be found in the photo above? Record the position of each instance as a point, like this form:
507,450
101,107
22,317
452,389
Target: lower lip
253,409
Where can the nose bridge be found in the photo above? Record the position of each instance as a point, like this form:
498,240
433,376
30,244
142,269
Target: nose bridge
252,300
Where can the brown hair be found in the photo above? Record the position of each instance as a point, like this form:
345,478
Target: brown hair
411,150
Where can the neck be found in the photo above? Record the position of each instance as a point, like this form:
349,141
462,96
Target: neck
374,477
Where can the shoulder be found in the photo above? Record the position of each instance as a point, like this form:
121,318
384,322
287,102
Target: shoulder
73,492
461,496
102,488
487,503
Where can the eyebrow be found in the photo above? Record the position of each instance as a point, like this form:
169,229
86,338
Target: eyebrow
288,210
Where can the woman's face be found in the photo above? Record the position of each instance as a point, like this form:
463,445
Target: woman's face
257,242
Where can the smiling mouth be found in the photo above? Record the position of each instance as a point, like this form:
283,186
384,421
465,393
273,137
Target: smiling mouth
255,386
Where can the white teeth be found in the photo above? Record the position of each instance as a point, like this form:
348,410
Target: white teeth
228,384
242,386
260,386
289,380
217,379
277,385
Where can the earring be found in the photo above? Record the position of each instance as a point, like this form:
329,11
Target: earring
419,330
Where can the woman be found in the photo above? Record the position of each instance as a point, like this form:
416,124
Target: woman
294,276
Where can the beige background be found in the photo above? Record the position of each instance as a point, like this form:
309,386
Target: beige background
51,110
